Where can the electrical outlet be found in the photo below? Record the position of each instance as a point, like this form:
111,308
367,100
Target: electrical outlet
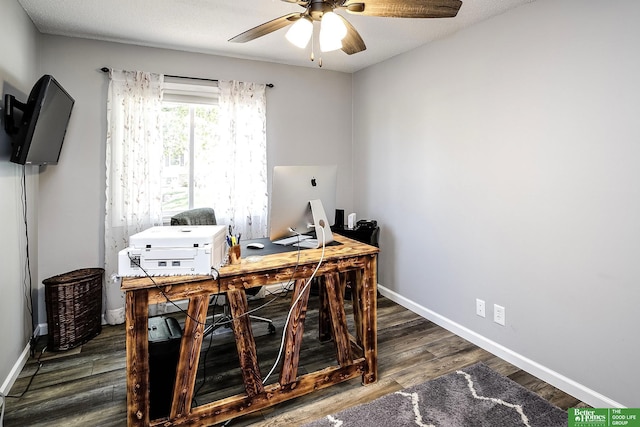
498,314
480,307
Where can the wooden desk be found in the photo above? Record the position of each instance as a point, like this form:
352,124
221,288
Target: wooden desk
355,355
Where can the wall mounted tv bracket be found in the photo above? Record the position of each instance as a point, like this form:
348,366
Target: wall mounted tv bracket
10,102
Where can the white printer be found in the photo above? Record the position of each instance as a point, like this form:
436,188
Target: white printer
174,250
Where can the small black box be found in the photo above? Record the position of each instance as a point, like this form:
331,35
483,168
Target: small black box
164,350
368,224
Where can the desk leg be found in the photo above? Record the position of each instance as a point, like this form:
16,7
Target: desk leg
366,290
190,346
293,334
324,331
340,333
354,277
137,344
245,343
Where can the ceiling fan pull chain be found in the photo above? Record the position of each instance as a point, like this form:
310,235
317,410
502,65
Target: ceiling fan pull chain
312,56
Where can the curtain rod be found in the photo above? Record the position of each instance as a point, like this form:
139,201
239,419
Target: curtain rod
106,70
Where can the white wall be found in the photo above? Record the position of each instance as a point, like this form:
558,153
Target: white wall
502,164
308,122
18,72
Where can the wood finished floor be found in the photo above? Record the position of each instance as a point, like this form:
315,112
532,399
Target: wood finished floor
85,386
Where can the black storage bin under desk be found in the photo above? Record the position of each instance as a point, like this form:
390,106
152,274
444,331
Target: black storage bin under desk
164,350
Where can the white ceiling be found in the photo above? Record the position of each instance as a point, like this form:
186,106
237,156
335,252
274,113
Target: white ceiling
205,26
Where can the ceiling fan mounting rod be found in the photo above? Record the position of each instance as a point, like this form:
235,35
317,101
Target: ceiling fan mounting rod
317,8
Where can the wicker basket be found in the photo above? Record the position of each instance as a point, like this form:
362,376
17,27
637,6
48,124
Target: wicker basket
74,307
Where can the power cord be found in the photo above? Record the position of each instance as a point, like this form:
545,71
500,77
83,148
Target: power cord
286,323
26,286
213,301
289,284
304,288
169,300
28,280
180,309
18,396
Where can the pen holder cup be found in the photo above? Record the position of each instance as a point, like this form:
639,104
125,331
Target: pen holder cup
234,254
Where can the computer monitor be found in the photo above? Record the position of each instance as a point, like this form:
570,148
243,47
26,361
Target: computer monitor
294,191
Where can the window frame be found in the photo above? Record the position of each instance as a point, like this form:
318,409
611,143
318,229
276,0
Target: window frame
191,93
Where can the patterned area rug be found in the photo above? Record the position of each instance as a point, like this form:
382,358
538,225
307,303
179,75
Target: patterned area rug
475,396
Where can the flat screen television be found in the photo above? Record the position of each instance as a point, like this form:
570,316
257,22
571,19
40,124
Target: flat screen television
37,135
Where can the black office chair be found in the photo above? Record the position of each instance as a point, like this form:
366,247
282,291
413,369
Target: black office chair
207,216
199,216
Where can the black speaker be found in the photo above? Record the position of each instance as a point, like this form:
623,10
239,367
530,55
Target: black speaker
339,219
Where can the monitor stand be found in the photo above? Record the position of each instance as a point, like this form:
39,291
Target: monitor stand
319,221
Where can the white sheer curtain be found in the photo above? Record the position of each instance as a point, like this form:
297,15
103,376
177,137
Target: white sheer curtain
241,201
133,161
134,149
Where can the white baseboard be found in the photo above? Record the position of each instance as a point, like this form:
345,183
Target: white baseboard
15,371
552,377
17,367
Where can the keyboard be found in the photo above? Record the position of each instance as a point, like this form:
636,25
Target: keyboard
291,240
308,243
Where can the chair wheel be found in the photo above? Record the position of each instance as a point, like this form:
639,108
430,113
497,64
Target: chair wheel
272,329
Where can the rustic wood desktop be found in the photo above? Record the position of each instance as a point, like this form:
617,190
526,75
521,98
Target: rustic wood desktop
350,261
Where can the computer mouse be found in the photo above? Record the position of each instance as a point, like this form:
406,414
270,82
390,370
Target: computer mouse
255,246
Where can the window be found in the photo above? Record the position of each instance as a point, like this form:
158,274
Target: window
214,152
235,168
190,140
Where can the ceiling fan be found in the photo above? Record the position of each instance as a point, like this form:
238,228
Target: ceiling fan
340,34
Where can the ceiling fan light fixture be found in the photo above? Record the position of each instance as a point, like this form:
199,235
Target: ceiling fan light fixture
332,31
333,24
329,42
300,33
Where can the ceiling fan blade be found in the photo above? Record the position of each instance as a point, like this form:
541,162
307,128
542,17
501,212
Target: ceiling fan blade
351,6
352,42
404,8
266,28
